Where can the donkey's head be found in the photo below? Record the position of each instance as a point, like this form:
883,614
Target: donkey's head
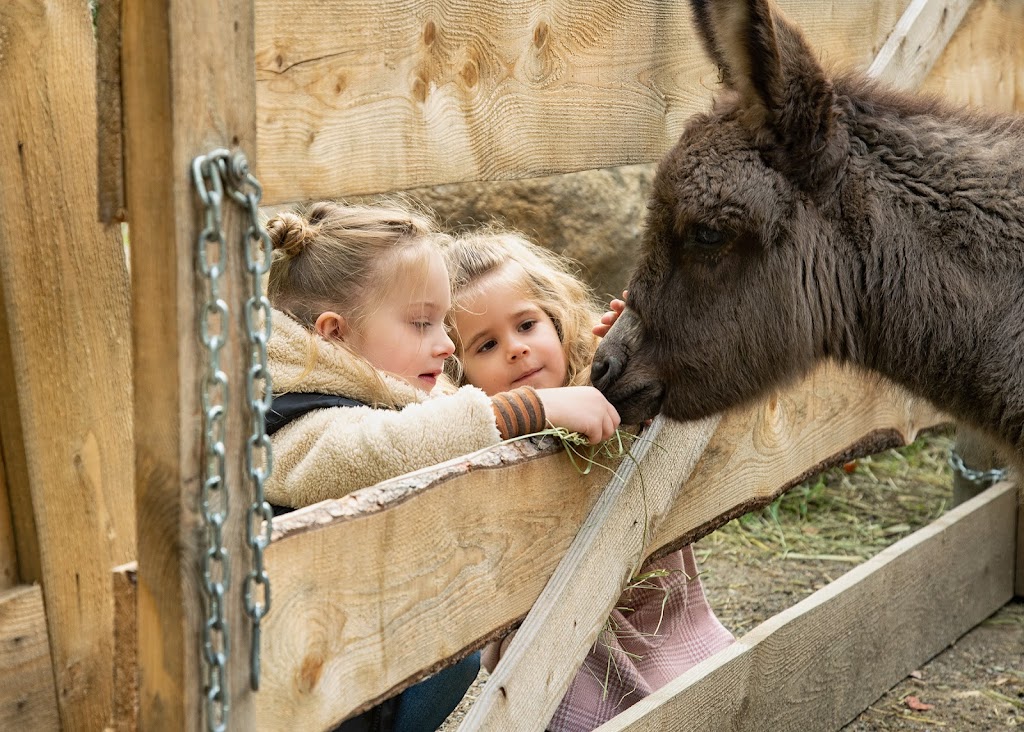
717,308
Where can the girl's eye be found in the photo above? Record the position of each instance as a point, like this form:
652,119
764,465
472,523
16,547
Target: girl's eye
421,324
527,325
487,346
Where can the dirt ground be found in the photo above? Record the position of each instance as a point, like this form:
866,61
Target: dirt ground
765,562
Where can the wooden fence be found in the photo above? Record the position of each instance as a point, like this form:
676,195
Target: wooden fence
100,369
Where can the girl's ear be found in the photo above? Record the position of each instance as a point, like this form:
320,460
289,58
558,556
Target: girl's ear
332,326
766,59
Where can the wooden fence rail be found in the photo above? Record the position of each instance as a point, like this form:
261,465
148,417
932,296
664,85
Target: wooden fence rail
458,557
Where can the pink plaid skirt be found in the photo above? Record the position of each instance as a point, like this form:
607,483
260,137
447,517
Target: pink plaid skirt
657,631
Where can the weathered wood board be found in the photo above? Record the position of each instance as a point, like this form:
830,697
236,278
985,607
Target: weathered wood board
983,64
28,700
393,95
824,660
66,415
917,41
420,583
8,552
187,90
536,670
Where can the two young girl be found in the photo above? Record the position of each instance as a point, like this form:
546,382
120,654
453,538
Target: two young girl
360,295
522,317
357,357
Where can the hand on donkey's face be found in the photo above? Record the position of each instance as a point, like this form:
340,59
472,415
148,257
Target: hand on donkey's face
609,318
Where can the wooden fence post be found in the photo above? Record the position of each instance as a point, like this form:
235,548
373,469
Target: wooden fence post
188,88
65,376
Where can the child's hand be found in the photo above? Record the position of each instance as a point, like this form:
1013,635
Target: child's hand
580,409
609,318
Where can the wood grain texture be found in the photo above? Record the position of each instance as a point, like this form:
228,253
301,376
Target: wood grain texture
16,476
66,420
8,550
28,700
420,584
392,95
917,41
821,662
983,64
125,580
525,689
109,137
187,89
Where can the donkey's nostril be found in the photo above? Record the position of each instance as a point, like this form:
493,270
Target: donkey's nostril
605,371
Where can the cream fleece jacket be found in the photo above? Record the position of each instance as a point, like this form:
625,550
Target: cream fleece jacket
331,452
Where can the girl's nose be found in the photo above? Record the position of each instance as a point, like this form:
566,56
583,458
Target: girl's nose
445,347
516,350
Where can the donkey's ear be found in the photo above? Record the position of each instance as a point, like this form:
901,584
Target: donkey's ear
766,59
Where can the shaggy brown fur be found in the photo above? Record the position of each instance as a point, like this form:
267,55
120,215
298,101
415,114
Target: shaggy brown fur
808,217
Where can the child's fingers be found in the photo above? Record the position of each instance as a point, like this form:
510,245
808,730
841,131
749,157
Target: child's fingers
608,423
607,321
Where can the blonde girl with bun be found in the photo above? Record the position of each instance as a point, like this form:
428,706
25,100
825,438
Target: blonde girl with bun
523,315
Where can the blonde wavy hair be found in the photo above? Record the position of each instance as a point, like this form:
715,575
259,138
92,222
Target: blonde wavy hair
331,256
549,280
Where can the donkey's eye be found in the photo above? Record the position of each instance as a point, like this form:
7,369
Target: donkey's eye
705,237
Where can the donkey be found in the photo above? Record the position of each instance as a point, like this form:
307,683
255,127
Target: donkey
811,216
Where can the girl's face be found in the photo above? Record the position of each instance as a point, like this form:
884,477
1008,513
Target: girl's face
406,335
508,341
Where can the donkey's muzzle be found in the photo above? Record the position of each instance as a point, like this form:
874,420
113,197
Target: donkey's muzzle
606,369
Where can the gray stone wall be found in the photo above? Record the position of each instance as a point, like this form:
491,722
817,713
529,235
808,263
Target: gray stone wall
595,217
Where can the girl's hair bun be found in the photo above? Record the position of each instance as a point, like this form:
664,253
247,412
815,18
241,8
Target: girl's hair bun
289,233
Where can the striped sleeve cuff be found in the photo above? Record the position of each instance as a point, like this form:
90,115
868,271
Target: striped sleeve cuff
518,412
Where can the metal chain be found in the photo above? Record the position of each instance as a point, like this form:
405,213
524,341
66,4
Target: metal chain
211,255
259,394
214,174
978,478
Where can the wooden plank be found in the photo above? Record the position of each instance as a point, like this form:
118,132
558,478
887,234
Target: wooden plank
404,93
983,64
109,138
66,420
126,648
424,583
27,697
917,41
821,662
187,89
1019,583
534,674
415,584
8,552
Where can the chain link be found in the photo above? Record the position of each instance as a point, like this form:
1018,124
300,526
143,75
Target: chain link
212,175
211,255
259,395
978,478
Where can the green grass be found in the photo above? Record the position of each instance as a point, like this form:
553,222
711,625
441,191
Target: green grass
849,513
